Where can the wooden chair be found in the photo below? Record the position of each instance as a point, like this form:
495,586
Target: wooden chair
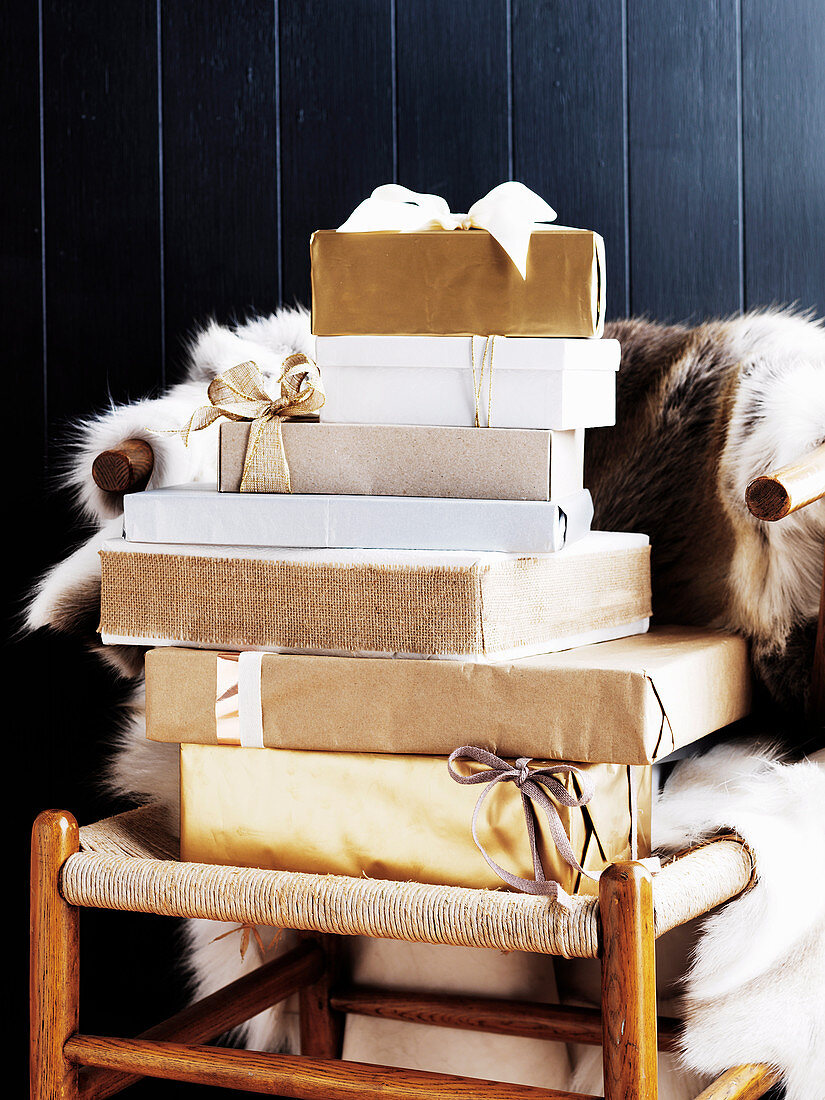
130,862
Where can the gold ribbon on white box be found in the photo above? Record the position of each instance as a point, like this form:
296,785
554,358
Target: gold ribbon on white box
509,213
238,710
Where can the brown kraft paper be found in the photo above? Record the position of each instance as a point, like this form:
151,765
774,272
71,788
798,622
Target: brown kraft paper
630,701
415,461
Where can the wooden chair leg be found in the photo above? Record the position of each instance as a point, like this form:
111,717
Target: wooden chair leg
628,983
322,1027
53,973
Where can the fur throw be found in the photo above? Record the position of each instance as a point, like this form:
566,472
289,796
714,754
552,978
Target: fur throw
701,412
754,990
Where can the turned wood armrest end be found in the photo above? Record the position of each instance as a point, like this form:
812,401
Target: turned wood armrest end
775,495
124,469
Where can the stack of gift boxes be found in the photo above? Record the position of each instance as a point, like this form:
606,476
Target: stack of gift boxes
436,510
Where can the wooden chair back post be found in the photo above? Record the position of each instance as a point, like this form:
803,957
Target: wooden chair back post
775,495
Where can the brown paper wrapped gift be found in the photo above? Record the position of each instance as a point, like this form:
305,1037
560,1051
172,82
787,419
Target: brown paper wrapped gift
456,283
416,461
392,817
630,701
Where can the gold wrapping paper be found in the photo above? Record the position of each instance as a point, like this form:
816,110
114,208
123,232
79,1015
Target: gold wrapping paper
456,283
390,817
629,701
510,604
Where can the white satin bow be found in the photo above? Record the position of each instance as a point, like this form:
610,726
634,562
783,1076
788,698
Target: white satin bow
509,213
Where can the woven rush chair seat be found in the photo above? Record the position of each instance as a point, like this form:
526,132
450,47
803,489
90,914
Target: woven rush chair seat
130,862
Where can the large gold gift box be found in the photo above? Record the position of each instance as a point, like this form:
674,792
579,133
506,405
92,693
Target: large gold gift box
456,283
392,817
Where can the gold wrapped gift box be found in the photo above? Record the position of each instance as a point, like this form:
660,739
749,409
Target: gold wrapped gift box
392,817
456,283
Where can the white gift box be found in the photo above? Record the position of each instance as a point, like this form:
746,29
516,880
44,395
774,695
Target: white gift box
200,515
534,382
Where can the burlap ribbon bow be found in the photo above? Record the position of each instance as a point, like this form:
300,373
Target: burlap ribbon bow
536,786
239,394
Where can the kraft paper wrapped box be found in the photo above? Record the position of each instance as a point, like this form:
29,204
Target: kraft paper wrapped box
398,817
383,603
416,461
629,701
456,283
496,382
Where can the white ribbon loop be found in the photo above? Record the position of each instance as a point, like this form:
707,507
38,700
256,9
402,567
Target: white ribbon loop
238,705
509,213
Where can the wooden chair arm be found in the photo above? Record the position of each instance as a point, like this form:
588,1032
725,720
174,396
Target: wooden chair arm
125,469
775,495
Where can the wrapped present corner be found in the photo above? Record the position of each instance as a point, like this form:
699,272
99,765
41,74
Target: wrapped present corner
436,273
403,818
630,701
443,604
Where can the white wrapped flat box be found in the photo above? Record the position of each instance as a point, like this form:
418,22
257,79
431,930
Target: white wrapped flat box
200,515
537,382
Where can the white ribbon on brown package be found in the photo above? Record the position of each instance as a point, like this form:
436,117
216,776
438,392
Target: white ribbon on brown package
238,710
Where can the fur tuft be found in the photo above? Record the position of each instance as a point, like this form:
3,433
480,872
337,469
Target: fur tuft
757,997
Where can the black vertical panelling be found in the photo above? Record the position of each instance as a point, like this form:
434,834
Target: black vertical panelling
101,203
102,284
336,119
453,97
103,336
784,143
20,266
684,157
219,162
568,118
23,432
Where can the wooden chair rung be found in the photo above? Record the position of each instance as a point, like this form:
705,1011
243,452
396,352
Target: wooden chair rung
553,1023
742,1083
289,1074
221,1011
776,494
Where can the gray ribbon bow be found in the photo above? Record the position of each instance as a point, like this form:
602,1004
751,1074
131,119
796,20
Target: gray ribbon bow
535,785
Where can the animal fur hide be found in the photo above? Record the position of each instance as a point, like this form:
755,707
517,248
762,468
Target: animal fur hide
754,990
701,411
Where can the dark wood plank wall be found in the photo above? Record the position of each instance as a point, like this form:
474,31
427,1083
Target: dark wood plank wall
166,160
